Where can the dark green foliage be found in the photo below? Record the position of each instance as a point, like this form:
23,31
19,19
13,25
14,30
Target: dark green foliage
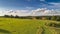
57,18
5,31
12,16
16,16
51,24
6,15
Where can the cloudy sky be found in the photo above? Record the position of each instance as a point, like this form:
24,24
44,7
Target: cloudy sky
29,4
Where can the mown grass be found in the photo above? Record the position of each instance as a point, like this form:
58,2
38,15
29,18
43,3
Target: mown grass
25,26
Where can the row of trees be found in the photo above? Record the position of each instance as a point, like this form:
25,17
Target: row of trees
11,16
21,17
57,18
36,17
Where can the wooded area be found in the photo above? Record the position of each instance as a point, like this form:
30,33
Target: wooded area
57,18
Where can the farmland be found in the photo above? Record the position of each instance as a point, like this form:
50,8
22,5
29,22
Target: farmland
27,26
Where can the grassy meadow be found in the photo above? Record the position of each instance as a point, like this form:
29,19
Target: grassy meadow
27,26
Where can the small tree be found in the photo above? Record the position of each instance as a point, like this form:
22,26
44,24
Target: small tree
16,16
11,16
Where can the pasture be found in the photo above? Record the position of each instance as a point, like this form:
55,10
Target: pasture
26,26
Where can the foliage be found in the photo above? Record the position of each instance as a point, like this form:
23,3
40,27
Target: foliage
57,18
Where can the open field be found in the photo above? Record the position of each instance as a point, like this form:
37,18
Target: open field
26,26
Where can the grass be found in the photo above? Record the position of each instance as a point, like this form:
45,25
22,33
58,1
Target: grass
25,26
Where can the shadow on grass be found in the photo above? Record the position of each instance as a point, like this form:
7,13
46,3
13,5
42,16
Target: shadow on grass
5,31
43,30
52,24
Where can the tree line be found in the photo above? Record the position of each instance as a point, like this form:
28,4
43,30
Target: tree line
57,18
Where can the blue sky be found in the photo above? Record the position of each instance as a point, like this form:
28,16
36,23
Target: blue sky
29,4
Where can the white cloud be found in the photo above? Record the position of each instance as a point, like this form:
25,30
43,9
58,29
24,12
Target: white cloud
39,11
42,0
28,0
18,12
44,11
55,3
29,7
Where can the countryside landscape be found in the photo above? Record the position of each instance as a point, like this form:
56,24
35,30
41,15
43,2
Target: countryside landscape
29,16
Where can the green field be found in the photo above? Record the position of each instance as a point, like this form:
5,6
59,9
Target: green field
26,26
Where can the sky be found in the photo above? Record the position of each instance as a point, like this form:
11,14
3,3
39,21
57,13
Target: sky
29,4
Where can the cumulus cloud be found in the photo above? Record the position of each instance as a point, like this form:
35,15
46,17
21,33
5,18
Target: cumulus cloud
43,11
36,12
18,12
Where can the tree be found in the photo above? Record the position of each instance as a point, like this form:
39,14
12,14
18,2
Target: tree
6,15
16,16
12,16
58,18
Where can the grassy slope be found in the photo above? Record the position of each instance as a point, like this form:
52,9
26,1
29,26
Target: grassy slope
24,26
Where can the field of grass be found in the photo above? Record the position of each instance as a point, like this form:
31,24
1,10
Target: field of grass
26,26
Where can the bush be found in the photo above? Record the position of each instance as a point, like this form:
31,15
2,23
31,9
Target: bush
51,24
